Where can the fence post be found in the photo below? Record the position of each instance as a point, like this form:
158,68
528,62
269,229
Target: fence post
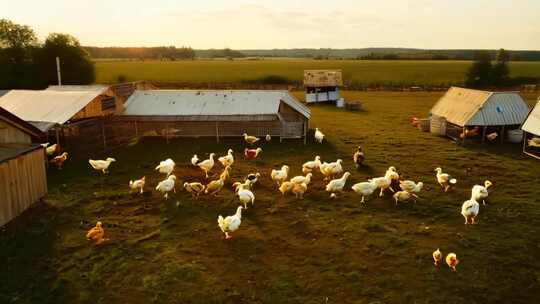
136,129
217,132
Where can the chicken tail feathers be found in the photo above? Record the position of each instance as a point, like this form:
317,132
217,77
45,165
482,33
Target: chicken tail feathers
453,181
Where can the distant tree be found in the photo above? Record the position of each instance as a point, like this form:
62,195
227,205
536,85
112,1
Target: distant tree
479,74
75,63
500,75
17,44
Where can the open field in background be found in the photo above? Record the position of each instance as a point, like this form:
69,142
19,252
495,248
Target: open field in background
315,250
355,71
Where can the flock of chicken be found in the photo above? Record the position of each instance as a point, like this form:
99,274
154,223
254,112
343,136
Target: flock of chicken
297,185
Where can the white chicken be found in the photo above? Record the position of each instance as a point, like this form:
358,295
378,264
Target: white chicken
194,188
319,136
253,178
470,210
51,150
336,185
330,170
231,223
167,185
195,160
309,166
166,166
101,165
138,184
299,189
245,196
268,137
279,176
444,179
228,159
302,179
365,189
410,186
207,164
385,182
404,196
250,139
480,193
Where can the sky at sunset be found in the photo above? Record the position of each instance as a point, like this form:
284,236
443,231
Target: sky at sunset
287,24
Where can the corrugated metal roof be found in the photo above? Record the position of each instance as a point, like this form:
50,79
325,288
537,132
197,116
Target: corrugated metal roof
466,107
97,88
532,123
52,106
209,102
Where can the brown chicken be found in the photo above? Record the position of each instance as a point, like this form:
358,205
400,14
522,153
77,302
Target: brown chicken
59,160
96,234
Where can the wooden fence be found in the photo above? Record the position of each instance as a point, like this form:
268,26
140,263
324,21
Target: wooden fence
23,181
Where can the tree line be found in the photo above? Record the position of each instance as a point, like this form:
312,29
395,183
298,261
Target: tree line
26,63
161,53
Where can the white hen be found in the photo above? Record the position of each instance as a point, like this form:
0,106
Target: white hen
480,193
137,184
302,179
101,165
309,166
385,182
279,176
166,166
470,210
207,164
336,185
319,136
231,223
365,189
167,185
194,160
228,159
329,170
410,186
444,179
245,196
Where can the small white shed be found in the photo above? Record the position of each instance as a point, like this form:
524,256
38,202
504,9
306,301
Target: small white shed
531,128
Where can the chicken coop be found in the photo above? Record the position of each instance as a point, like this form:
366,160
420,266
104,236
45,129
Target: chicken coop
322,85
466,114
57,110
531,129
213,113
23,179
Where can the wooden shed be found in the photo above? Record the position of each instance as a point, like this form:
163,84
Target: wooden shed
214,113
23,179
531,127
322,85
466,114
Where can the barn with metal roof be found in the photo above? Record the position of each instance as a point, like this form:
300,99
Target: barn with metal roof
216,113
466,111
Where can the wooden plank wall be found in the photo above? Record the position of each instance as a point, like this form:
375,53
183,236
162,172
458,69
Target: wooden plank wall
11,134
23,181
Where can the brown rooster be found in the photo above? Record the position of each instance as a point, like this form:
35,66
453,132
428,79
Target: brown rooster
59,160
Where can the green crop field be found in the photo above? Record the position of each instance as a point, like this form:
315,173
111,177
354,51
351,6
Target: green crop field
355,71
316,250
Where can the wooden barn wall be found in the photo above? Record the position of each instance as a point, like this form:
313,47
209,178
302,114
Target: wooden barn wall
11,134
23,181
93,108
290,114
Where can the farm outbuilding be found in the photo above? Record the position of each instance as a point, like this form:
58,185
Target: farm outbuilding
23,179
57,109
322,85
531,129
466,113
215,113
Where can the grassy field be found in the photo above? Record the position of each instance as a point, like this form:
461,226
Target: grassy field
355,71
315,250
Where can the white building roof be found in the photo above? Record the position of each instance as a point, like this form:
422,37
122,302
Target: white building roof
210,103
466,107
97,88
47,106
532,123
